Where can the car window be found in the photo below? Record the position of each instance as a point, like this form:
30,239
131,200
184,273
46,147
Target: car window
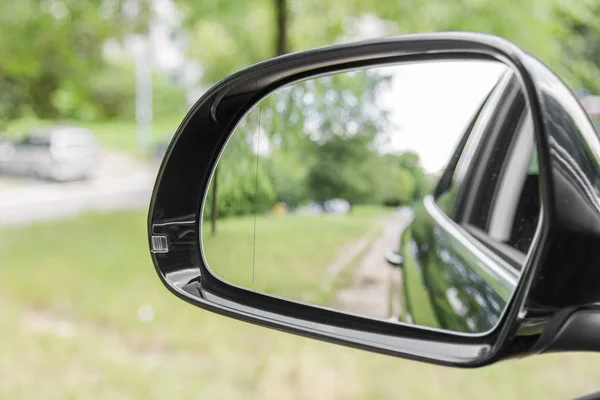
527,213
512,213
506,145
448,189
494,187
522,224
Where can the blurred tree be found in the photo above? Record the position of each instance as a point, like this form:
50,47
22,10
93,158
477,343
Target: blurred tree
583,47
423,183
343,170
288,172
229,35
542,27
45,45
400,176
282,18
110,93
405,185
220,33
301,119
243,185
64,38
318,109
391,185
239,191
310,131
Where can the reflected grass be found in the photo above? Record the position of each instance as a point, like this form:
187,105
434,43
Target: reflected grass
291,253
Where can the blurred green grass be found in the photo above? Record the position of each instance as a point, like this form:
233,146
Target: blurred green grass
70,293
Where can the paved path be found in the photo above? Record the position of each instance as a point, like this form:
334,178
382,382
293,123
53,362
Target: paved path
121,182
374,280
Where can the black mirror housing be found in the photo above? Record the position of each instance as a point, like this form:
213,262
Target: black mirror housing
557,281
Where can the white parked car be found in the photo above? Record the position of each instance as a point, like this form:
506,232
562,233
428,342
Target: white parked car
60,153
336,206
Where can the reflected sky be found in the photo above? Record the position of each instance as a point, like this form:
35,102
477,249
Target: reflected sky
433,102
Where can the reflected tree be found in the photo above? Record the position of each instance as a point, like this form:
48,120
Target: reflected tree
314,140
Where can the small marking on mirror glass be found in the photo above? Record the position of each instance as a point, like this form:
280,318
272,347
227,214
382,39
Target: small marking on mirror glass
159,244
256,190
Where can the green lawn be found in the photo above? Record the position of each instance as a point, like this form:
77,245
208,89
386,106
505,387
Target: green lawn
70,294
120,135
292,251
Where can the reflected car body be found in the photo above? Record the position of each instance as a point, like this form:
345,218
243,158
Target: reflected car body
444,281
59,153
453,277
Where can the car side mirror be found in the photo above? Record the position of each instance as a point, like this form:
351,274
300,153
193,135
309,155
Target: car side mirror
394,258
492,288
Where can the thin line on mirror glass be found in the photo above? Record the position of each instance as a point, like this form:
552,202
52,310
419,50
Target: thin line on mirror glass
256,191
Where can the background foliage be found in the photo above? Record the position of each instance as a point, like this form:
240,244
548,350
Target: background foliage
322,139
87,340
53,65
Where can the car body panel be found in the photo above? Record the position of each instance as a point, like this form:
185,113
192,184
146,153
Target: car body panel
449,281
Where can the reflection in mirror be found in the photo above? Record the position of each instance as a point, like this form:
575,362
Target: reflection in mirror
322,194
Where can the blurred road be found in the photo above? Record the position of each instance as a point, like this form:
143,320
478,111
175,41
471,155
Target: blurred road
121,182
376,286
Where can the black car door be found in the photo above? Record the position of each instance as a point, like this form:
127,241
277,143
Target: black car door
464,249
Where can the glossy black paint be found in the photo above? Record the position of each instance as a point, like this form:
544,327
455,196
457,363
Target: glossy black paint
185,173
574,150
566,285
450,280
437,263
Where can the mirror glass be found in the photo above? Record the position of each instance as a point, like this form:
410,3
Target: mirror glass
406,193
